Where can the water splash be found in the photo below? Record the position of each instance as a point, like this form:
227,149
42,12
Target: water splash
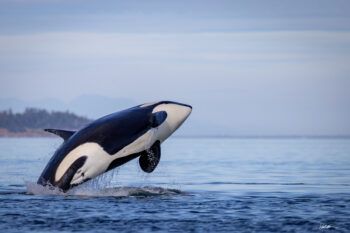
127,191
103,185
37,189
102,181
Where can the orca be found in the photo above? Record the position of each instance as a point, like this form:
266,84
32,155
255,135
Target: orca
111,141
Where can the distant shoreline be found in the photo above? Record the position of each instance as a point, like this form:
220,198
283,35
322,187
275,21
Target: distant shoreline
32,122
31,133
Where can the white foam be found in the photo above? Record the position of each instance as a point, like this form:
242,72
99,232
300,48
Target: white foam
126,191
326,226
37,189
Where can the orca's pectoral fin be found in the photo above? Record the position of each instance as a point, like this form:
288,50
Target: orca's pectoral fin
65,134
149,159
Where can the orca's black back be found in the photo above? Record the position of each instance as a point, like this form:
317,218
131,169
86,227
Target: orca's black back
117,130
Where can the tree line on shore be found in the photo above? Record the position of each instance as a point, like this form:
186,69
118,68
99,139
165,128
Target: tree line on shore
33,118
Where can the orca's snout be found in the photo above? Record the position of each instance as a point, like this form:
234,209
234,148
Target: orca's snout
177,113
184,111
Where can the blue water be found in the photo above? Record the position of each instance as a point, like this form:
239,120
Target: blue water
200,185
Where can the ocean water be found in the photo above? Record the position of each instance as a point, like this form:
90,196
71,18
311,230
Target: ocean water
200,185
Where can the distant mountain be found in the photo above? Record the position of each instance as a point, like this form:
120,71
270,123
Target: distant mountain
91,106
32,122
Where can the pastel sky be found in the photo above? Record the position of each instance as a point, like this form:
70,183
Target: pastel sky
257,67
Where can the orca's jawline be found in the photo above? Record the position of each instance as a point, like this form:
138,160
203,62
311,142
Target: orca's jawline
64,182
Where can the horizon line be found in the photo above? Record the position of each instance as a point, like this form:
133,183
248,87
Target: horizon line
266,136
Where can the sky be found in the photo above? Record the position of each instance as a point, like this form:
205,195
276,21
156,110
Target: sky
251,67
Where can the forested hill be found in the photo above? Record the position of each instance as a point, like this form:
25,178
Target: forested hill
32,122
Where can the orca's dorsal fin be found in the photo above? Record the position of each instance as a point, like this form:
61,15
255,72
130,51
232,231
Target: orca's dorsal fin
65,134
149,159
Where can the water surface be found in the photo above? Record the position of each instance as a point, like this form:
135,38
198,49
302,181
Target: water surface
200,185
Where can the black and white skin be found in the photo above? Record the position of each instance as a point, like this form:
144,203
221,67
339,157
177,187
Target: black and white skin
111,141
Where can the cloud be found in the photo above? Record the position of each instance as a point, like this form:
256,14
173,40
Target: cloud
26,17
270,67
194,47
